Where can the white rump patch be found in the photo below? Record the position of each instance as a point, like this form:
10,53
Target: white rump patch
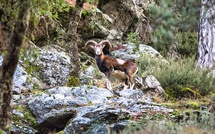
120,61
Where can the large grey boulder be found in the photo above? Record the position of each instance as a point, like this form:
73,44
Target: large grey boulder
53,65
95,119
123,14
22,81
50,66
89,109
55,108
95,24
130,51
150,83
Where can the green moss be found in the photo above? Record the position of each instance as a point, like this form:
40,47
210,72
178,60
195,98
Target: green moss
36,91
187,89
27,117
84,13
60,132
2,132
88,28
132,37
170,105
176,112
187,112
73,81
193,105
213,97
90,103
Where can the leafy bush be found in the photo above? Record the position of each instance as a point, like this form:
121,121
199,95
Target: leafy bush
187,43
170,17
132,37
179,78
49,8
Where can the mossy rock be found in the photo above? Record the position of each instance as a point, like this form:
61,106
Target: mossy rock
60,132
190,90
73,81
192,105
27,118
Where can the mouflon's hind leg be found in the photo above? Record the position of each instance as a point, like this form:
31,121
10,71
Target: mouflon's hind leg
108,83
131,79
126,85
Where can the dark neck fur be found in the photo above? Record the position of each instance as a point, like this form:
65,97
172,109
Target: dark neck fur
98,59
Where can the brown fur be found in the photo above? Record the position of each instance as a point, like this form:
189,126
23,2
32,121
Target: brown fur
108,64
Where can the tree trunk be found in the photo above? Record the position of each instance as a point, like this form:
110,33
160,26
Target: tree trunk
9,64
206,46
75,39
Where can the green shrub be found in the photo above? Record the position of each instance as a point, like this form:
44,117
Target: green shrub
168,17
179,78
213,97
187,43
204,123
132,37
193,105
182,79
147,65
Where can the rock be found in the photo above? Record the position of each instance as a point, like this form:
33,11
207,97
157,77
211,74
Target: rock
130,51
89,71
18,113
150,83
54,65
94,95
89,109
123,14
131,94
95,118
95,24
22,81
126,52
148,50
49,63
65,91
16,129
54,109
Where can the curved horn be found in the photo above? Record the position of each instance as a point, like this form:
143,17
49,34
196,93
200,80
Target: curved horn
106,43
90,43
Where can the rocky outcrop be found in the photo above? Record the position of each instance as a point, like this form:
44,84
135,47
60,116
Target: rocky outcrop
41,68
130,51
94,24
89,109
127,16
22,81
151,84
114,20
53,65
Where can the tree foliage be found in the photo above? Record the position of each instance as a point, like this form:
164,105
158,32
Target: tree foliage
38,8
168,17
